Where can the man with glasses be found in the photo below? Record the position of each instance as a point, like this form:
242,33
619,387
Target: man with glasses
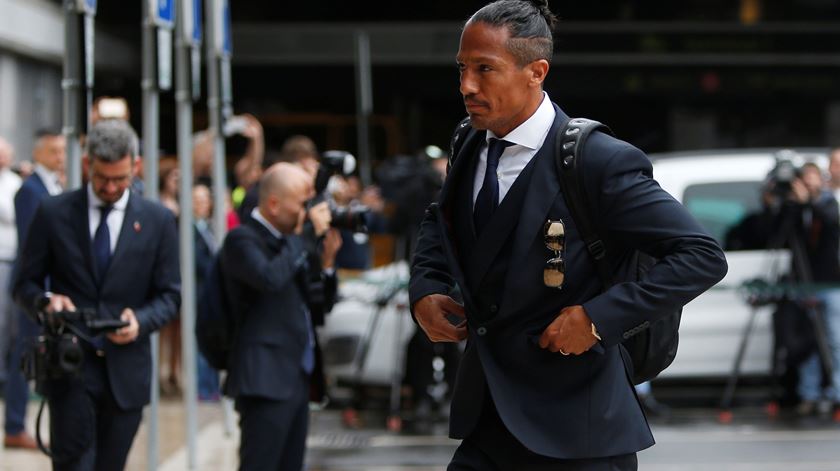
102,248
542,384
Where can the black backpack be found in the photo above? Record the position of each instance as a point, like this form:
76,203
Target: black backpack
651,348
215,323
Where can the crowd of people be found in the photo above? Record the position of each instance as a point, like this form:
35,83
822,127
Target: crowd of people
271,205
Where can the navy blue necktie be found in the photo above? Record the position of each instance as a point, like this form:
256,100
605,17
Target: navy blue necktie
488,197
102,243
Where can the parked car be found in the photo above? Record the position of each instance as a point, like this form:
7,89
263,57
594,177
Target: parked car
720,188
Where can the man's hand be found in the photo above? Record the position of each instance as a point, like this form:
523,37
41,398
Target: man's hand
799,191
59,303
320,217
128,333
570,333
430,312
332,243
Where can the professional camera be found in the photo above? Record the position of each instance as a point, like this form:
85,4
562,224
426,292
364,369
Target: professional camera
780,178
58,353
338,162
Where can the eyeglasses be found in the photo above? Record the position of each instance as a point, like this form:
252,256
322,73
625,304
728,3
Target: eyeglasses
554,272
103,180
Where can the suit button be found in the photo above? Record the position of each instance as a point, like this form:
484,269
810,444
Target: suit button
494,308
481,330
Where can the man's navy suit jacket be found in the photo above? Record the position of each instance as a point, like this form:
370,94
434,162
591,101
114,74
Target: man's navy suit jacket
567,407
265,281
27,199
143,275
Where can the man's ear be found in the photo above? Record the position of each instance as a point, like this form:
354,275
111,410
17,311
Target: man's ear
538,70
86,166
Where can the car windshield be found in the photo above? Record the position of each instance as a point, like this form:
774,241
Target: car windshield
720,207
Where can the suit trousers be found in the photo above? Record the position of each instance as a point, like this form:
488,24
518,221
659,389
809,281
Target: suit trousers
88,430
274,432
491,447
17,389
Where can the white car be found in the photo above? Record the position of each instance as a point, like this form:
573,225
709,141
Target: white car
720,188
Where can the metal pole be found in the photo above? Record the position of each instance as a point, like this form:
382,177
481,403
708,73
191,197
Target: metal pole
74,90
183,100
214,110
150,174
364,105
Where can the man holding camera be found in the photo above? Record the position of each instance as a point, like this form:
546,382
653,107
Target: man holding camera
274,357
106,250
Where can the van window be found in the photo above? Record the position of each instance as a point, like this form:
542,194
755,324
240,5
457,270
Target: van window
721,206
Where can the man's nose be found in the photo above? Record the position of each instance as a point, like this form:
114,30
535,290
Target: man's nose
469,86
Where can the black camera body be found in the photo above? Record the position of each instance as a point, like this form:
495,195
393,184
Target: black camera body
58,352
781,177
338,162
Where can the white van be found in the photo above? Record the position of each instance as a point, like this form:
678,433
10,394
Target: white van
720,188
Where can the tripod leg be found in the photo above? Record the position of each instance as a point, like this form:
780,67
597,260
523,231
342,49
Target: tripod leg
394,419
729,392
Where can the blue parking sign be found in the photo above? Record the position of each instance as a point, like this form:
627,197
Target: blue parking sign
197,21
165,12
227,34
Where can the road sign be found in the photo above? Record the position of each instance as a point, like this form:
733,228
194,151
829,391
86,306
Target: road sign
163,13
191,11
86,6
222,42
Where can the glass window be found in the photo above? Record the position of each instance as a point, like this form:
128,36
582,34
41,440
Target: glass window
720,207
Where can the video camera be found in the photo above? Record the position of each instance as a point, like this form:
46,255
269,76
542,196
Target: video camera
338,162
57,353
781,177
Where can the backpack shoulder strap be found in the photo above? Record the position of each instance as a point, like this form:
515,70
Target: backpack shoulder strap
568,155
462,130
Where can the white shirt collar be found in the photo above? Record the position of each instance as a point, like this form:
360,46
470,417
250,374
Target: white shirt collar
95,203
257,215
531,133
49,178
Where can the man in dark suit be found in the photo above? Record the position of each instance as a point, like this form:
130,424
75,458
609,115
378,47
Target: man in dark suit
106,249
274,354
47,179
542,384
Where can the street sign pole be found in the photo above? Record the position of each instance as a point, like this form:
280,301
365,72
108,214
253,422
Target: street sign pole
215,34
183,99
364,105
157,15
77,81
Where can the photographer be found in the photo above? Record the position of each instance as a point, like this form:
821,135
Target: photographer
820,233
106,250
275,356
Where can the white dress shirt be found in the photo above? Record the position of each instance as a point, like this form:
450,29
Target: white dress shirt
50,179
9,185
527,138
115,217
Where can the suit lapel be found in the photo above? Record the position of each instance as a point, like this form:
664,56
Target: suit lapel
542,193
81,227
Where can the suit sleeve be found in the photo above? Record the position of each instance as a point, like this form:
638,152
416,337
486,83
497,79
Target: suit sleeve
26,202
430,273
166,281
632,208
33,263
246,263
